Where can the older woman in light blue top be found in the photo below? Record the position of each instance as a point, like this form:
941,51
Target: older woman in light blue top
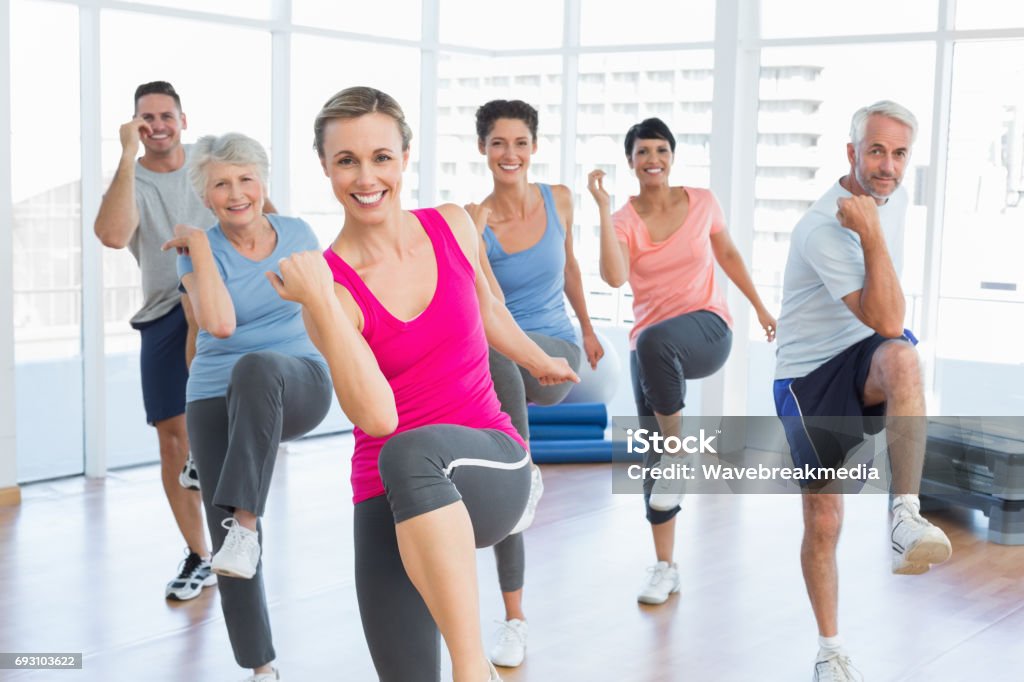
256,378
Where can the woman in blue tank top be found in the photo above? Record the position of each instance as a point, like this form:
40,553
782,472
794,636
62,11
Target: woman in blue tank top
526,230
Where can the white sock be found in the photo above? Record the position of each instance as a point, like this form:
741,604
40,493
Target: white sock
829,645
909,501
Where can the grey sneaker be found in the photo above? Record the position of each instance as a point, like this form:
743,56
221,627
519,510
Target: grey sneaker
193,575
189,476
240,553
916,542
835,667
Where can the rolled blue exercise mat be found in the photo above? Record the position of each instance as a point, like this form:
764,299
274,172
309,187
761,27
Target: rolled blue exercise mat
566,432
583,414
555,451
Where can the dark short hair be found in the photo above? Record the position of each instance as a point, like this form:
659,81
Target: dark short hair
649,129
505,108
157,88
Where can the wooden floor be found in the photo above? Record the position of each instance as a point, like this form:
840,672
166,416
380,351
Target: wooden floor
83,565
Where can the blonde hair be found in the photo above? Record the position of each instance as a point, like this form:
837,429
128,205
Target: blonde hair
355,102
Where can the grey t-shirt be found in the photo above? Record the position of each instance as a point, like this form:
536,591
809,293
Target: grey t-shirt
164,200
826,262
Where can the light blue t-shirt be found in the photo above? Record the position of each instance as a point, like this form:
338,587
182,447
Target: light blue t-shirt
263,320
533,280
826,262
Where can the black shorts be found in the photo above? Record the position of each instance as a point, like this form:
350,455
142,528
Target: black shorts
823,413
162,361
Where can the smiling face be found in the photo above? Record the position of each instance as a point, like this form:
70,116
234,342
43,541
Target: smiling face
878,162
364,160
508,148
651,160
161,113
234,193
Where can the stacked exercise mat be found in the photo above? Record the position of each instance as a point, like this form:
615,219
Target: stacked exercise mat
570,432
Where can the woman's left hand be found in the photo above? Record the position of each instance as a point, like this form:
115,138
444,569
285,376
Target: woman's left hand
185,239
554,371
592,348
768,324
305,278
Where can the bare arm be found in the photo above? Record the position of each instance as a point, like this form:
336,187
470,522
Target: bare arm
209,297
479,215
193,330
728,256
880,304
574,281
118,216
614,254
333,320
503,334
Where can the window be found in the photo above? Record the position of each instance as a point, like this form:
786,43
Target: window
796,18
605,22
472,23
392,18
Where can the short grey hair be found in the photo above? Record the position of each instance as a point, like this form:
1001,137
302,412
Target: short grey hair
885,107
232,148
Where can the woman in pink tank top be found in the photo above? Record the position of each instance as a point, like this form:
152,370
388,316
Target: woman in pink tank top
401,312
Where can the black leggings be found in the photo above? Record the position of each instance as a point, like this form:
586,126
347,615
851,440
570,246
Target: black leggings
423,470
690,346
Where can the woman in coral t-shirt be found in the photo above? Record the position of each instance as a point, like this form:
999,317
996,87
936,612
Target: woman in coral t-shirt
665,243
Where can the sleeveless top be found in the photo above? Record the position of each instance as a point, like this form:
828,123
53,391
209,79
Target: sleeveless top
533,280
435,363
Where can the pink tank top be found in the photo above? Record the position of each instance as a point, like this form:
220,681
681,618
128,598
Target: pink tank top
436,363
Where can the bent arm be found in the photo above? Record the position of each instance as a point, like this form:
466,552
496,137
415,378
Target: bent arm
118,217
880,304
210,299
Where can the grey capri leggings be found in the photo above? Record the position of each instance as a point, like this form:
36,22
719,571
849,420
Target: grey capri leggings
425,469
690,346
515,387
270,398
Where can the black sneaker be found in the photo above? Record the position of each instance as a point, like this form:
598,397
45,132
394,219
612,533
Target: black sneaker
194,574
189,476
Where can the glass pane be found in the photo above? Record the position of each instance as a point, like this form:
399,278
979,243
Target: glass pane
988,14
608,22
982,281
236,98
798,18
534,24
392,18
466,82
256,9
320,68
47,239
615,91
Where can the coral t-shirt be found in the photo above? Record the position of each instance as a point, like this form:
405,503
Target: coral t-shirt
675,276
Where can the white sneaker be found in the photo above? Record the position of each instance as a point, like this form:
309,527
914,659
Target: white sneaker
189,476
536,490
239,554
662,580
510,649
193,575
272,676
835,667
916,543
668,492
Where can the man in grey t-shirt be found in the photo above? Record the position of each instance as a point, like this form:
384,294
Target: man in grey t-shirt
146,199
845,359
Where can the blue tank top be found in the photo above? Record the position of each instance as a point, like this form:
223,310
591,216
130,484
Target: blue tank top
533,280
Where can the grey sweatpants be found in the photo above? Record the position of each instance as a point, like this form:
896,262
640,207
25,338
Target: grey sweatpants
422,470
690,346
515,387
270,398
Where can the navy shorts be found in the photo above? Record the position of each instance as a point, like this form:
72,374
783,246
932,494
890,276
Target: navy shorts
162,360
823,413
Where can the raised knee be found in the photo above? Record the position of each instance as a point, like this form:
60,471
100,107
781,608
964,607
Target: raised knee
900,364
254,371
